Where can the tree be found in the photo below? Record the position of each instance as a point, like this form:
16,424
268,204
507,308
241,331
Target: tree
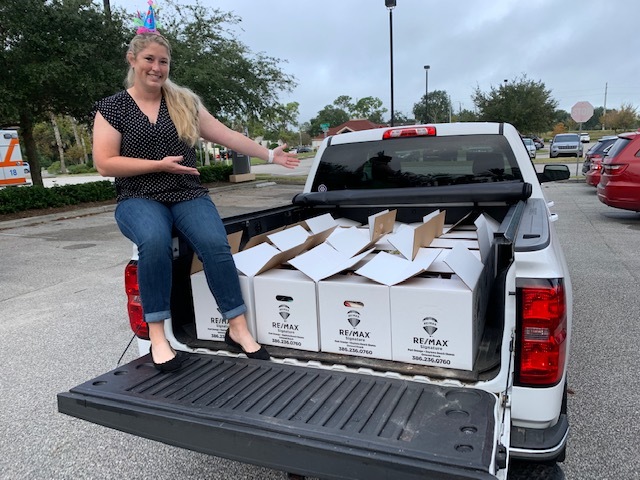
624,119
561,116
524,103
594,122
344,102
60,64
369,108
329,114
436,109
401,119
466,115
278,121
207,57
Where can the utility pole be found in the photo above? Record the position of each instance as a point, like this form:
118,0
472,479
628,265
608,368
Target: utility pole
604,115
107,9
426,93
390,4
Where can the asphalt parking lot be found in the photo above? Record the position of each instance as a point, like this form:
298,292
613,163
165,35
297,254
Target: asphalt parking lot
64,321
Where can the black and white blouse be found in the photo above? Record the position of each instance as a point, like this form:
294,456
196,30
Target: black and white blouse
152,141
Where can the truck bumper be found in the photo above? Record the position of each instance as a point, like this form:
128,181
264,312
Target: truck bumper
540,445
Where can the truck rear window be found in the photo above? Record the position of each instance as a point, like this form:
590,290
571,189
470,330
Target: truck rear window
417,162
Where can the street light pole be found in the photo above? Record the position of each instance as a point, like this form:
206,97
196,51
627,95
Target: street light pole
426,93
390,4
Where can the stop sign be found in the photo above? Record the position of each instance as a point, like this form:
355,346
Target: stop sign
582,111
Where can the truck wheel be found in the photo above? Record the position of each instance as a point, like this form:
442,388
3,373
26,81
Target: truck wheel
519,470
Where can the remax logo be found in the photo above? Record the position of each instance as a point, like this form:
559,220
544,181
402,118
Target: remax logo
430,325
353,318
284,311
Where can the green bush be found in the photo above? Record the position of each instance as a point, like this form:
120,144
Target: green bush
54,168
18,199
80,169
215,173
36,197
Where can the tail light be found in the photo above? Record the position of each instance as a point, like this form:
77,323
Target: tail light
424,131
542,326
614,168
134,304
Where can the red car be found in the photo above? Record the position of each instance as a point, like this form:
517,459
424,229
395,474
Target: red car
619,185
593,175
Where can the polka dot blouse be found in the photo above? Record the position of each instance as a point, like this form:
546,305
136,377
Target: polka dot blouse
143,139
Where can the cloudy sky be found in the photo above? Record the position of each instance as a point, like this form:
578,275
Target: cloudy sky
577,48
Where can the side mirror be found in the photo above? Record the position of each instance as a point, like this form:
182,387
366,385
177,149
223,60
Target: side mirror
553,172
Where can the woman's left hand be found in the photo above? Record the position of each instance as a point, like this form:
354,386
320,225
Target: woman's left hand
286,159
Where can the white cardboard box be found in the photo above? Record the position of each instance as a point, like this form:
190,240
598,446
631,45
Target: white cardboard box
355,317
439,321
434,322
286,310
209,323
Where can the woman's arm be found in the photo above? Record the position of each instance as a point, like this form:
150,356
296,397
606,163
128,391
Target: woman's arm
109,163
213,130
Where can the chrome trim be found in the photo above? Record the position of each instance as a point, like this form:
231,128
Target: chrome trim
533,454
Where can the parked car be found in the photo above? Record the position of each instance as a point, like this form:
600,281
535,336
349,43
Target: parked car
304,149
585,137
537,141
598,151
531,147
592,177
566,145
619,185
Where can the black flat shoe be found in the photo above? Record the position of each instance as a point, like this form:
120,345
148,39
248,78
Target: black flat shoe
260,354
170,365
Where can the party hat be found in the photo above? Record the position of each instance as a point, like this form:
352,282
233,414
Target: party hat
147,24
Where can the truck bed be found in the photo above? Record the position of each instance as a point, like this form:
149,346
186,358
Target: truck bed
314,422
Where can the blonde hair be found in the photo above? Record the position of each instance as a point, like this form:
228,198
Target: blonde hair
182,103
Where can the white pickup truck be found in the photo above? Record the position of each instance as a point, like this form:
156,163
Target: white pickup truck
344,416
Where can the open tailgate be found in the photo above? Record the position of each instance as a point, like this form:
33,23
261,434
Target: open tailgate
309,421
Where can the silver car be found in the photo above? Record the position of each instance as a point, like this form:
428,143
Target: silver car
565,145
531,147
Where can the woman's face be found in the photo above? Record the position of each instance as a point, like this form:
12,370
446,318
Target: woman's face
151,66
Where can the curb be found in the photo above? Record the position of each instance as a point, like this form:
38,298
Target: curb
83,212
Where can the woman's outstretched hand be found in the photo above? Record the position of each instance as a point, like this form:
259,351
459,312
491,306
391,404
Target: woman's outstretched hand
171,164
286,159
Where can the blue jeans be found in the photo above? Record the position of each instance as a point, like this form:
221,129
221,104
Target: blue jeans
149,225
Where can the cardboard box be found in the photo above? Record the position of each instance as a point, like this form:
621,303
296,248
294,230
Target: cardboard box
209,323
286,312
439,321
344,248
355,317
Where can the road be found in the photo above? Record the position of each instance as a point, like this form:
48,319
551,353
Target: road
64,321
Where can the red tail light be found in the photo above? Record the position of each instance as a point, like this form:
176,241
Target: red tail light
542,318
614,168
134,305
424,131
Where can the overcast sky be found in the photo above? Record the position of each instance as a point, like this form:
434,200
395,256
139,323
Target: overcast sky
341,47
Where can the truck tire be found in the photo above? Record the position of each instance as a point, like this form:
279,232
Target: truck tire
519,470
